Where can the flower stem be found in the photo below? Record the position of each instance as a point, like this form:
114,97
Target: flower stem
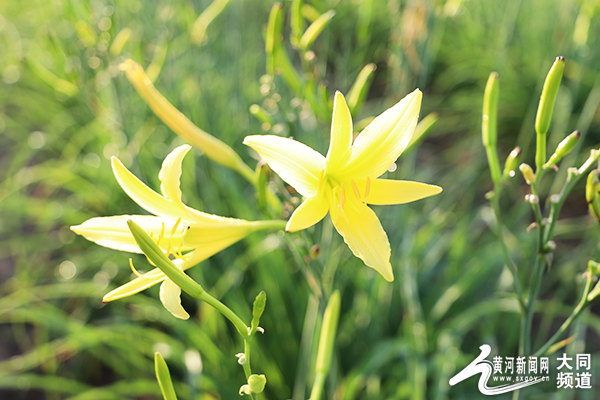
495,200
583,303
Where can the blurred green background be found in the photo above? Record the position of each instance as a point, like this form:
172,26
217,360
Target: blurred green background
65,109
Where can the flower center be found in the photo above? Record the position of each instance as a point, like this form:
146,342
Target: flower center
336,194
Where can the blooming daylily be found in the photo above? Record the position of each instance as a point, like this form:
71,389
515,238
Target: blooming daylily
345,181
176,228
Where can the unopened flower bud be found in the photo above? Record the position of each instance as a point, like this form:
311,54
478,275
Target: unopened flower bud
563,148
512,162
592,194
314,252
527,173
241,358
551,246
548,97
490,110
257,383
245,389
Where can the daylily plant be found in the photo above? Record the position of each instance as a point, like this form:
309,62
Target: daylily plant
188,235
347,179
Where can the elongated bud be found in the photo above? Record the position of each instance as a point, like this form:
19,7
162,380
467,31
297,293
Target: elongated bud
257,311
548,97
424,127
273,36
261,114
360,88
592,194
164,377
527,173
297,22
212,147
120,41
490,111
198,35
563,148
489,124
156,255
315,29
328,331
512,162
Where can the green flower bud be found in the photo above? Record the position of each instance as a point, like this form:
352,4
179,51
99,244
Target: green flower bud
164,377
563,148
527,173
315,29
512,162
592,194
328,331
257,311
358,91
273,36
490,110
548,97
257,383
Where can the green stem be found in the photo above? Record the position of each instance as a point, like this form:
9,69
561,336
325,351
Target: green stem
507,259
241,327
317,389
583,303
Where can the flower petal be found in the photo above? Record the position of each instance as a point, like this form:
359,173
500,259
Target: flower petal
341,134
386,137
363,233
296,163
153,277
170,174
211,240
389,191
144,196
311,211
113,232
140,283
170,296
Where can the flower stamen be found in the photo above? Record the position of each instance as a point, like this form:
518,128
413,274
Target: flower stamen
135,271
321,179
356,191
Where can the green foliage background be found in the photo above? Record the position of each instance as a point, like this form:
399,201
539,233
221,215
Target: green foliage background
66,109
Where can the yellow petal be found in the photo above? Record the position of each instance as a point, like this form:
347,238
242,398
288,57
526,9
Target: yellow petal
363,233
311,211
144,196
170,174
140,283
388,191
341,134
297,164
170,296
153,277
113,232
207,238
384,139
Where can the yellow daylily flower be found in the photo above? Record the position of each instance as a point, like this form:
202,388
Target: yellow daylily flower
176,228
347,179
